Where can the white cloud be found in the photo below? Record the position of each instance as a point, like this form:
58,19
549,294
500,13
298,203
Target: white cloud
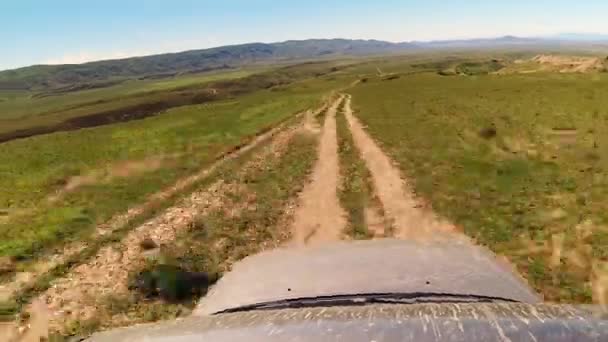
84,56
88,56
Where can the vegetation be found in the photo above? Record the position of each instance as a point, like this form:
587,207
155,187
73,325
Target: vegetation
103,73
28,114
479,68
518,161
93,245
57,187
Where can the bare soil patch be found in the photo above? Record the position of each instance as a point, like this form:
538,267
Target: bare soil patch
569,64
319,217
375,222
35,329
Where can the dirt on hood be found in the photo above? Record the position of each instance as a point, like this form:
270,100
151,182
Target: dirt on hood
570,64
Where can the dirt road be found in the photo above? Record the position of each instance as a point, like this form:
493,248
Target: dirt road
409,219
319,217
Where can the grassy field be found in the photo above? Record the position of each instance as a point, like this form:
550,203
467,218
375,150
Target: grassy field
102,171
25,114
25,104
520,162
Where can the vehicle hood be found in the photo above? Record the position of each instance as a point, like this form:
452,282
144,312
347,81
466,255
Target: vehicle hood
416,322
367,267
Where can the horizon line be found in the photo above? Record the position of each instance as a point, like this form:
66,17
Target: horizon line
555,36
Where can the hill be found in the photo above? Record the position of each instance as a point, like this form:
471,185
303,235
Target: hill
102,73
71,77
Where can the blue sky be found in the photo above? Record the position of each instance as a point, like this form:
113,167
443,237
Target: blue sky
71,31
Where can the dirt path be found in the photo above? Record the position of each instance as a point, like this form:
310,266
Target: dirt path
409,219
319,217
35,330
78,295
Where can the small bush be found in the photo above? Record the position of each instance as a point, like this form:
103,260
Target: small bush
390,78
488,132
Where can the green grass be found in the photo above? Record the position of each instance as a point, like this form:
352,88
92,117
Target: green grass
355,191
33,112
26,104
528,183
42,282
33,169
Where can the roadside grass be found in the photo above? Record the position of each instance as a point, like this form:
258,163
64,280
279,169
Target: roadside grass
9,308
13,306
355,191
184,139
518,161
249,221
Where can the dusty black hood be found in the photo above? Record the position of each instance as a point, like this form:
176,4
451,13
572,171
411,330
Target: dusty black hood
428,322
384,266
366,267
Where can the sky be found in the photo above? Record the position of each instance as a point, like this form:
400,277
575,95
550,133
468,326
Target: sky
76,31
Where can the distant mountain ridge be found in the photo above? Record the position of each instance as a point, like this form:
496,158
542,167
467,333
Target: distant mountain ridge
53,76
107,72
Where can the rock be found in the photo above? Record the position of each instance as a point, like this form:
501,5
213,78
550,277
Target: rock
532,153
7,265
147,244
558,214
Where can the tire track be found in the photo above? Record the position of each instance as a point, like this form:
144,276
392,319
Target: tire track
409,219
319,217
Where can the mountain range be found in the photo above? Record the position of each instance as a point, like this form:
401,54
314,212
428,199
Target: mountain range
98,73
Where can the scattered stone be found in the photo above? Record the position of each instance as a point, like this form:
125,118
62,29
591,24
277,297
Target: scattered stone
148,244
558,214
532,153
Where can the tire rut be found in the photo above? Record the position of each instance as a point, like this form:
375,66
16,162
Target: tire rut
409,219
319,217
